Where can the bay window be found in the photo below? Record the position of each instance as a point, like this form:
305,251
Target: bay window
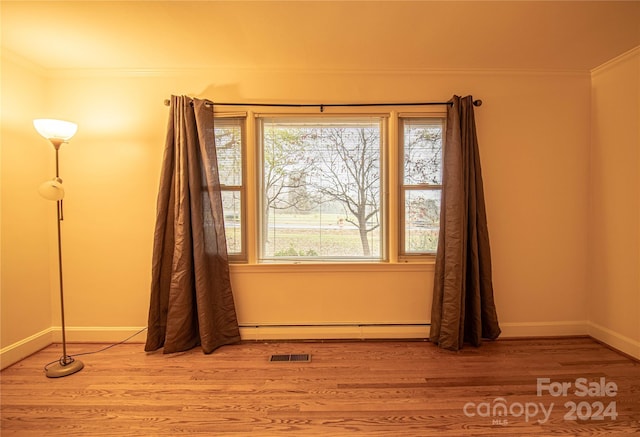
316,188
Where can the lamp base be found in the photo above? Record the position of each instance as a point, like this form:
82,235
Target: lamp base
59,370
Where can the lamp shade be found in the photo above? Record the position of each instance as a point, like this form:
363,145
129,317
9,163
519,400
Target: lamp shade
58,129
52,190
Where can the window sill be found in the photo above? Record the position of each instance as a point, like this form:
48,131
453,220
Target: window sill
414,266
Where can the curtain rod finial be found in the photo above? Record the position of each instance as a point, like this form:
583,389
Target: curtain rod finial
477,102
167,102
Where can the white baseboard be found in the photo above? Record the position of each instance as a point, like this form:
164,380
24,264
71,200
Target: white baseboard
334,332
544,329
17,351
101,334
93,334
617,341
420,331
97,334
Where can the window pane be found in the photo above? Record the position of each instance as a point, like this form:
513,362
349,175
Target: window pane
232,207
422,152
422,220
228,132
321,188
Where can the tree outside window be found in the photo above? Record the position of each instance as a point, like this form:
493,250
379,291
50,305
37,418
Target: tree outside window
321,188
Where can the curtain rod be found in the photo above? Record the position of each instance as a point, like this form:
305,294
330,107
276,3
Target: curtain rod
321,106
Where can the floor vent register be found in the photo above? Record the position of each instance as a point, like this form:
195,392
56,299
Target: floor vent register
290,358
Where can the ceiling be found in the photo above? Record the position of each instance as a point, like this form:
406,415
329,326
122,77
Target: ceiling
354,35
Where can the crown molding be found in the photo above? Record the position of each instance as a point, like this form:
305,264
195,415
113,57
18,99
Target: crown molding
23,62
628,55
213,71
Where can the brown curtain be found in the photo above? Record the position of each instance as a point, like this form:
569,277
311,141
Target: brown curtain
463,308
191,297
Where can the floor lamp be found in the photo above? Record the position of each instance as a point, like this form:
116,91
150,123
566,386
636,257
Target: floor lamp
58,132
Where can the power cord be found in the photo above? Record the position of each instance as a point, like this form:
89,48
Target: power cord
65,361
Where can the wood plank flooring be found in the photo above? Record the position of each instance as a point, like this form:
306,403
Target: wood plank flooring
388,388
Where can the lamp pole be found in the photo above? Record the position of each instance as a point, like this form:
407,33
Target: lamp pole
66,365
60,217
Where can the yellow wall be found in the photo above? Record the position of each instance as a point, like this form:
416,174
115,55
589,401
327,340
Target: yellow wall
614,213
534,137
533,128
27,221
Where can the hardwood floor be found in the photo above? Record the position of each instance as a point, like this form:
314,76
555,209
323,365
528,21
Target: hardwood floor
388,388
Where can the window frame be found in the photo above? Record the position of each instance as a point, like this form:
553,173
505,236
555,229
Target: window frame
392,187
382,122
403,254
242,256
